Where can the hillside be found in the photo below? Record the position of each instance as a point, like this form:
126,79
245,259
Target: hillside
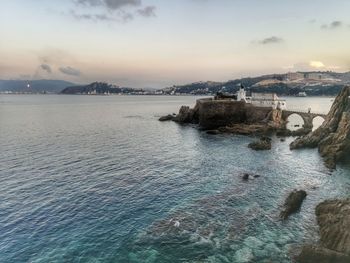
313,83
96,88
35,86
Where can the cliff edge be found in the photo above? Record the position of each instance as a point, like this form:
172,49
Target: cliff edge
333,218
333,137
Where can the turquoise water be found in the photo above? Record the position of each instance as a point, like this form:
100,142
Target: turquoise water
99,179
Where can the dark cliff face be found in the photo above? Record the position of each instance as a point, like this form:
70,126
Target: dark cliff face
333,137
333,218
213,114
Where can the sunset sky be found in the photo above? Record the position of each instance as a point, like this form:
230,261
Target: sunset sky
158,43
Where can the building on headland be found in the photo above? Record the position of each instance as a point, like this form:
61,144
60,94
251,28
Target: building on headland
270,100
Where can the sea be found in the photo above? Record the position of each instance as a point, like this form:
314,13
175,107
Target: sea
100,179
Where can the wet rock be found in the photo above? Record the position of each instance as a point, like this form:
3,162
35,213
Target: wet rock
245,177
186,115
333,217
293,203
333,137
263,144
301,132
167,118
313,254
283,133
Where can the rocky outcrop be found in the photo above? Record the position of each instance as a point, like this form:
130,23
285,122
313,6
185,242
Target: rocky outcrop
187,115
261,145
246,129
168,117
333,137
315,254
293,203
333,218
227,114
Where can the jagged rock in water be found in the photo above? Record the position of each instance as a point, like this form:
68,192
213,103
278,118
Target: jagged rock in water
167,118
263,144
333,218
187,115
333,137
213,114
293,203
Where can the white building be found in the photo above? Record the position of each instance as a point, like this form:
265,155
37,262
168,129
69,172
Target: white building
241,95
268,100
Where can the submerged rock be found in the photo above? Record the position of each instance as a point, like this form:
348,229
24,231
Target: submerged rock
263,144
245,177
333,137
293,203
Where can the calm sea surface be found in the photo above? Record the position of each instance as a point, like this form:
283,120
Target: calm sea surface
100,179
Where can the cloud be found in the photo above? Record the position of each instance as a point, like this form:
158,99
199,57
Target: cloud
148,11
332,25
70,71
46,68
111,10
110,4
271,40
316,64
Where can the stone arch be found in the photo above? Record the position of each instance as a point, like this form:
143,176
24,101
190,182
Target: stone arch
298,121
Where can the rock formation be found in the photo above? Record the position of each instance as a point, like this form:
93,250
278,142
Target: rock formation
168,117
263,144
293,203
230,116
333,217
333,137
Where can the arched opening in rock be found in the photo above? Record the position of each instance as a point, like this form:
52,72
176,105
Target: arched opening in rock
317,122
295,122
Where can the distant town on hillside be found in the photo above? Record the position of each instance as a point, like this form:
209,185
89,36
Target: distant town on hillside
290,84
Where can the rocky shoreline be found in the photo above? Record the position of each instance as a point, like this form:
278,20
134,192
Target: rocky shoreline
332,139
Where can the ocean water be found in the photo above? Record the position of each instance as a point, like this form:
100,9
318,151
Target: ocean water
100,179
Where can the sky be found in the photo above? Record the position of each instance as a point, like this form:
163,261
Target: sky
160,43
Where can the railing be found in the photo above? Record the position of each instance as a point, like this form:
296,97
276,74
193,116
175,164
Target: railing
300,110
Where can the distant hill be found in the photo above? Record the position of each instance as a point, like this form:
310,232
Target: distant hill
98,88
313,83
35,86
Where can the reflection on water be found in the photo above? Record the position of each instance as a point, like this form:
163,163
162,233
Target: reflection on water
99,179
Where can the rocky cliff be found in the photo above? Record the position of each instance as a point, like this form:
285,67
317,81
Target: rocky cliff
333,218
333,137
213,114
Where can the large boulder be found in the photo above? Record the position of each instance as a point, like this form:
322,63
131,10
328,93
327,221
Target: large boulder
293,203
261,145
316,254
333,137
333,218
